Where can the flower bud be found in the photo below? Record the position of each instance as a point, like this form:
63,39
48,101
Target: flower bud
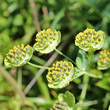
90,40
61,73
60,105
18,56
47,40
103,59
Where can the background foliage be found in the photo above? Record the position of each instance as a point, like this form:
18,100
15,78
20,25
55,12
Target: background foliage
68,16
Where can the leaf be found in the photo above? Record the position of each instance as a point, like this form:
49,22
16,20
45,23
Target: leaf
18,20
58,17
79,62
82,60
13,7
94,73
68,97
105,82
71,98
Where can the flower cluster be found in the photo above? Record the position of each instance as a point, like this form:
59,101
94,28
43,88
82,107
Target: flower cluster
61,73
104,59
47,40
90,40
60,105
18,56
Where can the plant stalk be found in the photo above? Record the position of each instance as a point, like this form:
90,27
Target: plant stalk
38,66
86,81
84,90
65,56
12,81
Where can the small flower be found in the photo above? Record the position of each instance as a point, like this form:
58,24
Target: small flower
18,56
47,40
90,40
104,59
61,73
60,105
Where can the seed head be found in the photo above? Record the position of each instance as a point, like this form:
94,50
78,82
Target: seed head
61,74
60,105
90,40
47,40
18,56
103,61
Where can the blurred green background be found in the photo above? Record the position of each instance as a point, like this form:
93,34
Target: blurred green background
70,17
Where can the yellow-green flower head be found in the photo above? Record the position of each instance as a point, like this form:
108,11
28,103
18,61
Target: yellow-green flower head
61,73
90,40
103,59
60,105
47,40
18,56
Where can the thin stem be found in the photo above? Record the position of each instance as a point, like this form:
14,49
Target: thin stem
78,75
86,80
90,57
89,103
106,101
13,83
38,66
20,77
84,90
65,56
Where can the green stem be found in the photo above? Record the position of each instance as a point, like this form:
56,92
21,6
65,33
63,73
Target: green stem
65,56
106,100
20,77
86,80
90,57
84,90
38,66
12,81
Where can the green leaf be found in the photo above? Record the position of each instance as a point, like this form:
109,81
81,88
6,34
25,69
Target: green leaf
47,40
68,97
109,107
94,73
104,82
18,20
58,17
18,56
79,62
82,60
13,7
